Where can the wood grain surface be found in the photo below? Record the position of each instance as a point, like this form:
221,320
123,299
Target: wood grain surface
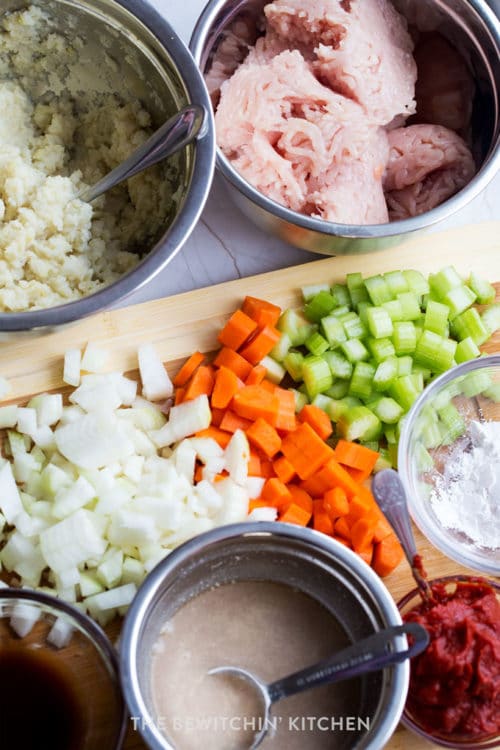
179,325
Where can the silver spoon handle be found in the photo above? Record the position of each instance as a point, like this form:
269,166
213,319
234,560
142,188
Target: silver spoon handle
371,654
178,131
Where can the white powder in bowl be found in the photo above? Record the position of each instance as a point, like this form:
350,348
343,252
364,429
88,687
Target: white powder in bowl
466,497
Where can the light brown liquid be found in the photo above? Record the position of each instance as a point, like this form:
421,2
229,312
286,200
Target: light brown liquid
271,630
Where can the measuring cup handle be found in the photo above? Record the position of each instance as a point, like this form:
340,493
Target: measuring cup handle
369,655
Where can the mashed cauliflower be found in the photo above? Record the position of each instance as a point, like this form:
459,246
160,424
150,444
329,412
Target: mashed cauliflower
55,248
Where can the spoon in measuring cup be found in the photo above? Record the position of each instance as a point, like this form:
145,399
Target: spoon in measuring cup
368,655
174,134
391,499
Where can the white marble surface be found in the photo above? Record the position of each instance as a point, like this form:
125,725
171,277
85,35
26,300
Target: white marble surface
225,244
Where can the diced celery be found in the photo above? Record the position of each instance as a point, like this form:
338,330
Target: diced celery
430,435
447,393
418,381
475,383
353,326
362,310
410,306
378,289
453,422
361,381
316,374
354,281
393,455
316,343
342,310
339,364
394,308
320,305
383,461
293,364
426,373
357,289
466,349
459,299
379,322
322,401
380,349
300,399
311,290
484,291
435,352
385,374
469,323
373,445
280,349
444,281
275,372
404,337
339,389
354,350
403,391
333,330
396,282
359,423
423,459
336,408
340,293
417,282
390,434
297,328
405,366
436,317
388,410
491,318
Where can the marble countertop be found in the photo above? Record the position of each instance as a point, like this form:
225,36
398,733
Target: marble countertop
225,245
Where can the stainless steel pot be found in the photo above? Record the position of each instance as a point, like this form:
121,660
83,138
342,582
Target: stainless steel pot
150,64
471,25
282,553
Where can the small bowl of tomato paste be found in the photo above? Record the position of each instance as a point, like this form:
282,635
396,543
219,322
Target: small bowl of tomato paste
454,694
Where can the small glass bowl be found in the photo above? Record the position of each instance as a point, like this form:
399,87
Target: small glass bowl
430,444
62,652
405,605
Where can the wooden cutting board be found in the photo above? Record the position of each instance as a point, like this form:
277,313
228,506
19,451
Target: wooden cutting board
179,325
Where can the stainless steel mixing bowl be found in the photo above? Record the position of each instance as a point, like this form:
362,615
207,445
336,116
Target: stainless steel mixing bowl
471,25
127,47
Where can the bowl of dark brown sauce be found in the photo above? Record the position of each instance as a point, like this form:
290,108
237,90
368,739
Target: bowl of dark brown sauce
59,683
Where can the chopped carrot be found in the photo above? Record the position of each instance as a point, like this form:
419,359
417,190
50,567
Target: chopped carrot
201,382
179,396
301,497
318,419
322,522
225,386
296,514
264,437
356,456
305,450
233,361
217,416
254,468
332,474
254,401
256,375
188,368
381,529
198,473
264,313
284,469
257,504
286,420
260,345
387,555
336,503
366,554
266,468
342,529
362,533
237,330
232,422
275,492
220,437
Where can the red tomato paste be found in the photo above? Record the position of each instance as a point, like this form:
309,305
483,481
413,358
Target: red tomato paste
455,683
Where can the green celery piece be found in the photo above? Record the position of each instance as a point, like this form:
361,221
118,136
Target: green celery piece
297,328
447,393
357,289
383,461
379,322
493,393
358,296
275,372
292,362
388,410
417,282
484,291
467,349
342,310
361,381
311,290
320,305
373,445
335,408
403,391
396,282
354,281
362,309
390,434
380,349
339,389
340,293
353,326
431,435
359,423
394,308
491,318
316,374
316,343
280,349
410,305
423,459
393,455
405,366
469,323
453,421
476,382
385,374
354,350
322,401
333,330
418,381
426,373
404,337
300,399
339,364
436,317
435,352
378,289
444,281
459,299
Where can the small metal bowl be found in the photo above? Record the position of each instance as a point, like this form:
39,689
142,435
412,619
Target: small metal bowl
130,49
301,558
470,25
